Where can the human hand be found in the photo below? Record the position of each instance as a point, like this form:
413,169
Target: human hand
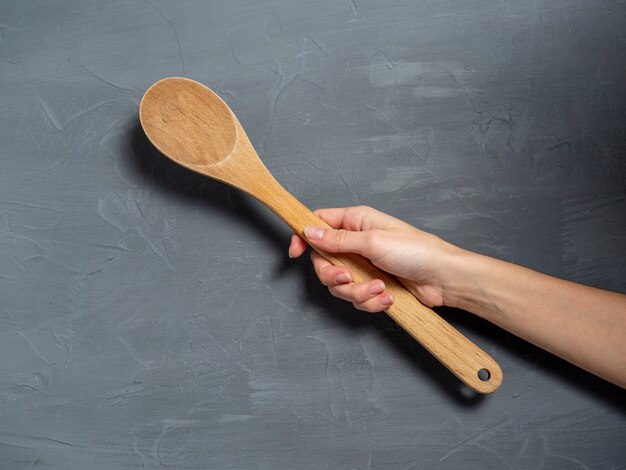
421,260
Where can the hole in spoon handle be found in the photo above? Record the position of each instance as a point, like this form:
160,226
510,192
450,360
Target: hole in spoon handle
483,374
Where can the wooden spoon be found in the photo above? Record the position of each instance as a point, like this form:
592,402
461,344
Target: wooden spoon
191,125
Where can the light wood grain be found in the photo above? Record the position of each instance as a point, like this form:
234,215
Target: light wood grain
191,125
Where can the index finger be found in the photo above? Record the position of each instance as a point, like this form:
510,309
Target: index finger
332,216
356,218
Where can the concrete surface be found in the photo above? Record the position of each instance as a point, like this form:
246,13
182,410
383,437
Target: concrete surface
151,318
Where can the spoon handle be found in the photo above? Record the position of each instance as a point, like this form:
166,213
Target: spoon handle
463,358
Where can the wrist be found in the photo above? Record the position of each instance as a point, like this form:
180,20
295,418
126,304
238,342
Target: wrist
466,281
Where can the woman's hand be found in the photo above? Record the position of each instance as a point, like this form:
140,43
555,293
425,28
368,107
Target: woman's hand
420,259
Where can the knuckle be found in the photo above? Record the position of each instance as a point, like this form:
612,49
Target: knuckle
362,293
363,211
362,208
326,276
357,215
341,236
336,292
319,271
341,293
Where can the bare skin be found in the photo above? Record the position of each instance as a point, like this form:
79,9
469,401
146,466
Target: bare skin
583,325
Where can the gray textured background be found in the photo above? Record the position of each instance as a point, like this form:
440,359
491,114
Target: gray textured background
151,318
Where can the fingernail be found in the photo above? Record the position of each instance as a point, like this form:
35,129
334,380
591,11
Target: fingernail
289,254
342,278
314,233
377,288
386,300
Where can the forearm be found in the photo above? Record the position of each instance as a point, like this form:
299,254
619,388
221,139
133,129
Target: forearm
581,324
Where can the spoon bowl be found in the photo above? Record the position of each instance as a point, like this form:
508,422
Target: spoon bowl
202,134
192,125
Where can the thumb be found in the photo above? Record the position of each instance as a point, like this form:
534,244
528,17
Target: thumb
335,241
